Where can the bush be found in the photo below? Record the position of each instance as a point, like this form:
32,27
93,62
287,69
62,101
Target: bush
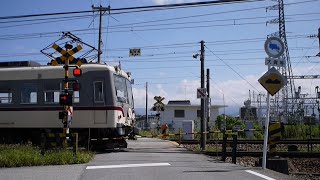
300,131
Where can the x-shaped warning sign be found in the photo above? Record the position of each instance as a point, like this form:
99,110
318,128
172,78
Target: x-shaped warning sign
64,54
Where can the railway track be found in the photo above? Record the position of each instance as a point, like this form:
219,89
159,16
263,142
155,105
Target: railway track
259,154
314,141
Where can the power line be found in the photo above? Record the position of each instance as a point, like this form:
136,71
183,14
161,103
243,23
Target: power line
53,34
128,9
232,69
167,53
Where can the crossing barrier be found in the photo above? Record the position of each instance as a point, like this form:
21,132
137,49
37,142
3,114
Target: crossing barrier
274,135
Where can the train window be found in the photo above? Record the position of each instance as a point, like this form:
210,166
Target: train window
130,96
51,96
5,97
98,91
29,95
121,89
76,96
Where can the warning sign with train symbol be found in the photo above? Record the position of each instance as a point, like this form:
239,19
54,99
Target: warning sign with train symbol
273,81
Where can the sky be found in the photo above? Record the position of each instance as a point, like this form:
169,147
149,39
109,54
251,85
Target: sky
234,36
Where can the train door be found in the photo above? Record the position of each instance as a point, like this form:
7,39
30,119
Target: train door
100,114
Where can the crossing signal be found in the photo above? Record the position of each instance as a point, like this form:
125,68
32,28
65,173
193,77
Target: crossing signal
65,99
77,72
76,86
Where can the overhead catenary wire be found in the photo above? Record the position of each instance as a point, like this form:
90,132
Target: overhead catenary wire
244,51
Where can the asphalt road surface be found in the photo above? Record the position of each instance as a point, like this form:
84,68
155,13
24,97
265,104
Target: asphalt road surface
145,159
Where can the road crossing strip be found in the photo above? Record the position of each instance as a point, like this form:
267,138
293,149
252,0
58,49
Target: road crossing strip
260,175
128,165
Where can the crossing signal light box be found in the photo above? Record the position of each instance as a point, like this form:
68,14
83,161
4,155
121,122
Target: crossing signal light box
65,99
77,72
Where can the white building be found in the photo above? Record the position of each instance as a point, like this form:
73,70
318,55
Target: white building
183,110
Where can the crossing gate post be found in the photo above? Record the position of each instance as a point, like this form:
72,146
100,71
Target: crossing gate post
180,136
75,143
43,143
234,148
274,137
224,147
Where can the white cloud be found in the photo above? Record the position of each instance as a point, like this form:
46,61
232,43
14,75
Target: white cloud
235,91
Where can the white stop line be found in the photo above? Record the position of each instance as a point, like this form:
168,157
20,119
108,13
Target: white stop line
260,175
127,165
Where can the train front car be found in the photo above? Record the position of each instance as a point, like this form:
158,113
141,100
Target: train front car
29,103
112,105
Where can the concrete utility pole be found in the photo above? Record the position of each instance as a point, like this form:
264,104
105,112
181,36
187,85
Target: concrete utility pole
203,124
146,123
100,28
319,42
208,101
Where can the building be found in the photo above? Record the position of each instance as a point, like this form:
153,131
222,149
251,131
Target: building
184,110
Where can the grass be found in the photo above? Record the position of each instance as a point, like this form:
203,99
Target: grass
145,133
27,155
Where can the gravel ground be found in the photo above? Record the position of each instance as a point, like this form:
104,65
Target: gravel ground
301,168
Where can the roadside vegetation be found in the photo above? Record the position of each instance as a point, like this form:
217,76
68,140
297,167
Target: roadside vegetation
296,131
28,155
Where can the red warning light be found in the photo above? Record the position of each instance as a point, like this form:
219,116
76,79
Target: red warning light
77,72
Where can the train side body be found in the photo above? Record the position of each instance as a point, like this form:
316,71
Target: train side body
29,100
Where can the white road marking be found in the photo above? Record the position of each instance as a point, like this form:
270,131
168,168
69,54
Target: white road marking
260,175
128,165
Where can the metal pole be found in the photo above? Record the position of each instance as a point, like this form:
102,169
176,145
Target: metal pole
146,123
208,102
266,129
66,90
203,124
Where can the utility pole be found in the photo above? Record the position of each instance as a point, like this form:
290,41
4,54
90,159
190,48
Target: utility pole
100,28
319,42
146,123
208,101
203,124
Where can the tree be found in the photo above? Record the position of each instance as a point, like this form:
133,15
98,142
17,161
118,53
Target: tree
230,121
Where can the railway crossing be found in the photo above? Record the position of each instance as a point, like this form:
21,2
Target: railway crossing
145,158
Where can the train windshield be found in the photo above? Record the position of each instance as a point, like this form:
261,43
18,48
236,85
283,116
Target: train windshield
121,89
129,89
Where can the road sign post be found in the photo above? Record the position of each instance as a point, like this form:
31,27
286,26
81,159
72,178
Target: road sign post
272,81
158,106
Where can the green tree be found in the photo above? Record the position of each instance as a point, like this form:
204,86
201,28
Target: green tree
230,121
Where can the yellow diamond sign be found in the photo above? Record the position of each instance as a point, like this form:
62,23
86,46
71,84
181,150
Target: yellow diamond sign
273,81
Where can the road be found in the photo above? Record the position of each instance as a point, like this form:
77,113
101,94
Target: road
143,160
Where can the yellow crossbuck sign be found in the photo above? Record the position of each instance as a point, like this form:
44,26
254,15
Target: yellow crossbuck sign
66,54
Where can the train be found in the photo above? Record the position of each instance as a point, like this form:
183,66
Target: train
103,109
